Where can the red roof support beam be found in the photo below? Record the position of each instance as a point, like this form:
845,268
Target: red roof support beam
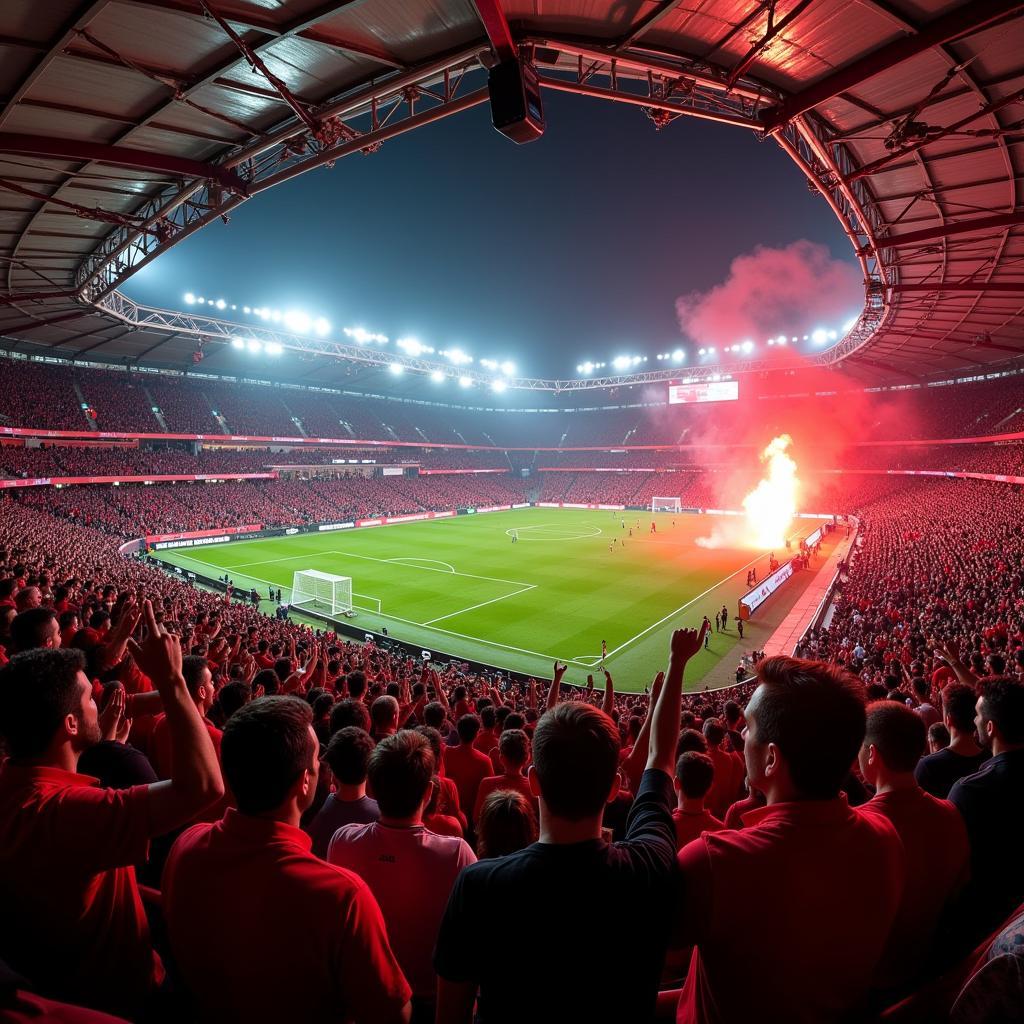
963,286
966,19
496,27
1002,220
120,156
773,30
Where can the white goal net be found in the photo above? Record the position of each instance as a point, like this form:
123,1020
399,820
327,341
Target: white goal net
321,591
666,505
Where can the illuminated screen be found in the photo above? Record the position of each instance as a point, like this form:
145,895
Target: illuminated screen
708,391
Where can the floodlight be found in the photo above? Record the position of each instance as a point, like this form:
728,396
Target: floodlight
322,326
678,356
819,337
189,298
296,320
748,347
499,386
621,362
702,351
238,343
437,376
253,345
466,382
508,367
246,309
201,301
395,368
273,348
221,304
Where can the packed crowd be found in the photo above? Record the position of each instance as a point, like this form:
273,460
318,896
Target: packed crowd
46,396
423,840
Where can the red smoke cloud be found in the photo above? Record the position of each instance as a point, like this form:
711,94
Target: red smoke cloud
770,291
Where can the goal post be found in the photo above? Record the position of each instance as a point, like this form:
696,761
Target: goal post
321,591
666,505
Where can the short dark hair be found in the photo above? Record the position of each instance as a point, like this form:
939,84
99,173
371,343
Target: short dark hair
898,734
356,683
192,666
576,757
349,712
695,772
714,731
488,717
233,696
384,710
514,746
348,754
814,713
507,823
468,726
691,739
436,743
400,771
28,625
1002,699
433,714
958,702
939,734
266,747
37,690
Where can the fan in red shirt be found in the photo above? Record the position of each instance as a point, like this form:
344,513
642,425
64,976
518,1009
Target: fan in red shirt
932,832
73,920
729,769
514,753
815,885
695,773
465,765
261,929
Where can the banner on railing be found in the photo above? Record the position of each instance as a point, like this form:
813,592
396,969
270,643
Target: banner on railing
70,481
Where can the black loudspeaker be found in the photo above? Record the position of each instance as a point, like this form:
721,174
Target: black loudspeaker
516,108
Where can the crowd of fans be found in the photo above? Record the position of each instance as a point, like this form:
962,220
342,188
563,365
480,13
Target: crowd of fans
46,396
332,829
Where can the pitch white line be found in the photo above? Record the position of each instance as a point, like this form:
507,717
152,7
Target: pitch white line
473,607
683,607
401,561
371,558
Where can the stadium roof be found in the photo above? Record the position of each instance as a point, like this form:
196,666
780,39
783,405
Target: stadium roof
125,125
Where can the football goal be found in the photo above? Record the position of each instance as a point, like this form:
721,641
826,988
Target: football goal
321,591
666,505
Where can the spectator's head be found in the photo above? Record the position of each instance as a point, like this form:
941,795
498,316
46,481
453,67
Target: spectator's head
384,715
436,744
349,713
938,737
27,598
922,688
46,706
575,761
999,716
232,696
805,725
267,678
694,774
468,727
507,823
691,739
895,739
714,731
400,775
348,755
199,681
69,622
488,717
35,628
269,757
356,681
433,715
513,750
958,708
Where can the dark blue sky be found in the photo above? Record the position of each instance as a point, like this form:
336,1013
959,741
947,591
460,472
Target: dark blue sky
570,248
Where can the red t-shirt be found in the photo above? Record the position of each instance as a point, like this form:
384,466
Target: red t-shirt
159,745
262,930
728,783
938,864
819,886
467,768
72,919
691,824
492,783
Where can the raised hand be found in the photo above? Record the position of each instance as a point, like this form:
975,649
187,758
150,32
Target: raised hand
656,685
687,642
159,655
112,715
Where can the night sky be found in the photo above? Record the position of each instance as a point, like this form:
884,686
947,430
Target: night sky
571,248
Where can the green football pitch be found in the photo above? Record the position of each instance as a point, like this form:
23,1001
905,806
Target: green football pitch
461,587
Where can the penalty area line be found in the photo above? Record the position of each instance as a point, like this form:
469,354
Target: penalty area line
683,607
473,607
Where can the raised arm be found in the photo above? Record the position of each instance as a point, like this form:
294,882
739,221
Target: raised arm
556,685
195,781
608,704
665,724
637,758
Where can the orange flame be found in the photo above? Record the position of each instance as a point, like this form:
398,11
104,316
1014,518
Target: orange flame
771,505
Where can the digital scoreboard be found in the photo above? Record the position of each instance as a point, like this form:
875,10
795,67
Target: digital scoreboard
705,391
